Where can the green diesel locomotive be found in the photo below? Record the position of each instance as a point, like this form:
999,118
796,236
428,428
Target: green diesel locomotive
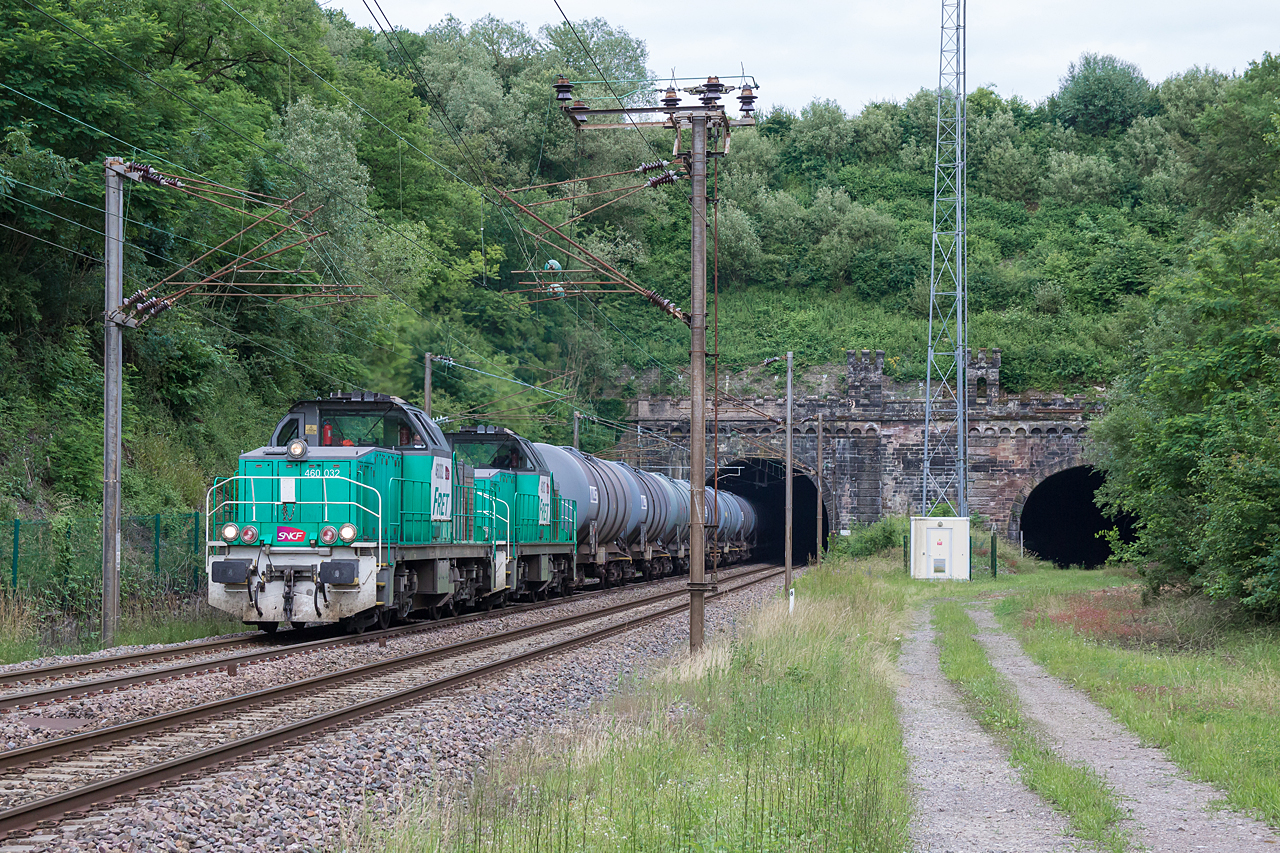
361,511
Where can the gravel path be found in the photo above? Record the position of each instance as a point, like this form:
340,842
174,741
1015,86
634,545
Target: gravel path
1170,812
968,798
303,799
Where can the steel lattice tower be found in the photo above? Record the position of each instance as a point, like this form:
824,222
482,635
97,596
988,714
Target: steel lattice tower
945,477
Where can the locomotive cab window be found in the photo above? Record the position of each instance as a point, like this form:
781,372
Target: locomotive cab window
287,431
506,455
347,427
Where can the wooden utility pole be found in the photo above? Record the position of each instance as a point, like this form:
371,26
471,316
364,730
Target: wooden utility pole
111,395
787,558
426,384
158,297
817,560
577,418
698,386
697,118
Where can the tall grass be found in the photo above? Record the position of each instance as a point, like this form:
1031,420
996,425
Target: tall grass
173,619
28,630
1179,673
1092,808
18,639
785,739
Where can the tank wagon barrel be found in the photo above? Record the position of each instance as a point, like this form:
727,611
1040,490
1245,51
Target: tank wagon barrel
361,511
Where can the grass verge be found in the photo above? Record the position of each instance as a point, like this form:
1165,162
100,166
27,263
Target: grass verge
18,638
1090,806
173,619
27,632
784,739
1185,675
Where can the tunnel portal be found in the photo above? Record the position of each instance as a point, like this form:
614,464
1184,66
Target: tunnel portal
1060,521
763,482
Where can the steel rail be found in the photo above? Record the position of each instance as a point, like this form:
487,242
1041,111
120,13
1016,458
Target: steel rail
61,670
15,822
48,750
277,649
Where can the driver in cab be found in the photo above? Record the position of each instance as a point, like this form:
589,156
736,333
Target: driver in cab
509,460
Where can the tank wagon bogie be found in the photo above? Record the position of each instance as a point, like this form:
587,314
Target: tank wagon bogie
361,511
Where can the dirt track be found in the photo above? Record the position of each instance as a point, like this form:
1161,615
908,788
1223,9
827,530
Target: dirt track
970,800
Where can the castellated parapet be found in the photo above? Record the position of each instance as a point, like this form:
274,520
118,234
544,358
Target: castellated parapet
873,441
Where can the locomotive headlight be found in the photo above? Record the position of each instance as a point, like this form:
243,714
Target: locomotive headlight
296,449
328,534
249,535
230,531
347,532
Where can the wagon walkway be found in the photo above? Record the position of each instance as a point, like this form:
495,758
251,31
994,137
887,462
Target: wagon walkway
969,799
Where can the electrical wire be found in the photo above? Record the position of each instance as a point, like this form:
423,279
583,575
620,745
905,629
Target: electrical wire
271,154
340,330
603,78
153,155
353,102
51,243
144,75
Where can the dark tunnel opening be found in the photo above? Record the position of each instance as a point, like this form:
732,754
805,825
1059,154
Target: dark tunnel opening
762,481
1061,522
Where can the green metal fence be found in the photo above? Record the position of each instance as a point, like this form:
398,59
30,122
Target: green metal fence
59,560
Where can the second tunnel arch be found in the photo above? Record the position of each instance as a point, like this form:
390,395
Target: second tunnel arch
1055,515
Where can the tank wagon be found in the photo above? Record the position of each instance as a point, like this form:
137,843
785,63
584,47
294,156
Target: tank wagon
361,511
635,524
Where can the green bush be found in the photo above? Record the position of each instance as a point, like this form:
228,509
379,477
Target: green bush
870,540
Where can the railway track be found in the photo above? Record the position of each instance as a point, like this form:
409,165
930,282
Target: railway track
122,671
43,784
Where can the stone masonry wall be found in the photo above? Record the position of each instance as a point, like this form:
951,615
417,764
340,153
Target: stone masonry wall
873,442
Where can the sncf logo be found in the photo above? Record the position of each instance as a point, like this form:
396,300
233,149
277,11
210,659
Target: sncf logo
290,534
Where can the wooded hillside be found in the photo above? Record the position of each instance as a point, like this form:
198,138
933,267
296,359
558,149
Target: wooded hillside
1120,231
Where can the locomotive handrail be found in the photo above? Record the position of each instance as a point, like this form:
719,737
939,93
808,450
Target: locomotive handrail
253,501
493,514
400,514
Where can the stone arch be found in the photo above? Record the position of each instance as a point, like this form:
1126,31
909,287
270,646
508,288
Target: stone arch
842,432
1021,432
1038,475
1004,431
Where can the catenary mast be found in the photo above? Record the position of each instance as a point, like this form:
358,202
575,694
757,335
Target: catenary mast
944,481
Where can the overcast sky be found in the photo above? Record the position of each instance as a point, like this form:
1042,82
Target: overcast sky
861,51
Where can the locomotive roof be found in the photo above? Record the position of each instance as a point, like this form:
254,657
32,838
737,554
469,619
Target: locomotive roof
360,401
